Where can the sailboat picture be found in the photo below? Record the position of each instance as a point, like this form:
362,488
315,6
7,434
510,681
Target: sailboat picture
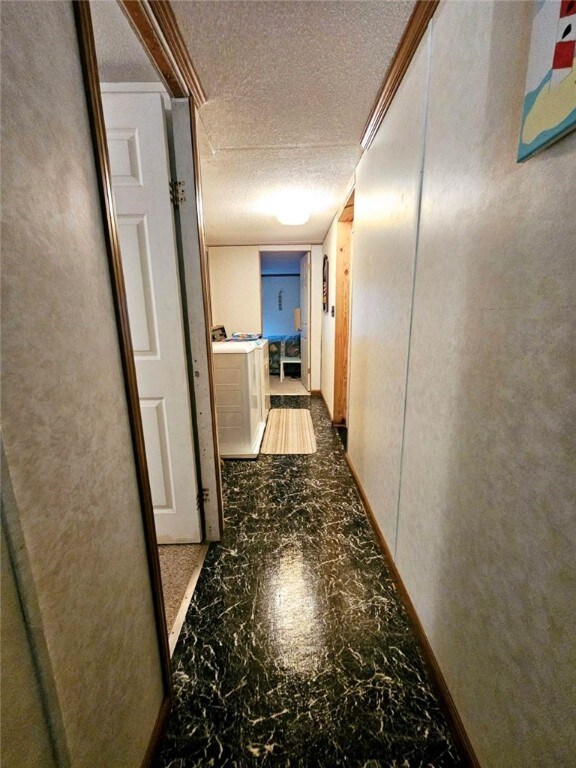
549,110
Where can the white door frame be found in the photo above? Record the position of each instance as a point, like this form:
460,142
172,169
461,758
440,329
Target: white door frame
305,377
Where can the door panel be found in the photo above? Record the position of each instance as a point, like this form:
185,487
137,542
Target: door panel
305,319
139,161
124,151
137,268
158,453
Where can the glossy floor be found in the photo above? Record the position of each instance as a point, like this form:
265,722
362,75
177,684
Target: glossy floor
296,650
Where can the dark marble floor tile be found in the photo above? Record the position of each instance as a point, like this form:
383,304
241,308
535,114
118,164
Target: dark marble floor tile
290,401
296,650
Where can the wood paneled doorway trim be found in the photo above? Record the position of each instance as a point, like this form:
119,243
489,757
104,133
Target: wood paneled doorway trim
155,25
342,320
165,53
414,32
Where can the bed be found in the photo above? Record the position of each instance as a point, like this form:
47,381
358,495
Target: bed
291,348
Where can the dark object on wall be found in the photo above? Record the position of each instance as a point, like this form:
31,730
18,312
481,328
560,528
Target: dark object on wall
325,284
218,333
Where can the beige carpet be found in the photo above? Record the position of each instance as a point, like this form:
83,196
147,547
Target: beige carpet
289,430
178,564
287,387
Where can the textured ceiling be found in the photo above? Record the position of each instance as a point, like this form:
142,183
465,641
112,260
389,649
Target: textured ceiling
235,181
290,85
121,58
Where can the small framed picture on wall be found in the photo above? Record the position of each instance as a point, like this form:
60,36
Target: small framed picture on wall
325,284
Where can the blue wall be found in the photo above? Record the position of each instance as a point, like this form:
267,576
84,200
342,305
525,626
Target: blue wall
281,263
280,322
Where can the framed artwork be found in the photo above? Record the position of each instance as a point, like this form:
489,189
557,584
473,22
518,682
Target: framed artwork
549,110
325,284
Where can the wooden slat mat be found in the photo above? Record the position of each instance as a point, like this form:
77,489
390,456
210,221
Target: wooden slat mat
289,430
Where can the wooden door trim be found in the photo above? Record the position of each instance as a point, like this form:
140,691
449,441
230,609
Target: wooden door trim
156,27
96,117
414,32
342,321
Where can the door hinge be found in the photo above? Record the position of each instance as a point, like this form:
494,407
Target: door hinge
177,192
202,498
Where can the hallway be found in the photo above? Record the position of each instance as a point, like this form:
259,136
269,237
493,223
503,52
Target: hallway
296,649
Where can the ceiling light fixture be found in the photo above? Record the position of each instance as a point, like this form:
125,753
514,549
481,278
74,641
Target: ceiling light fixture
293,216
293,206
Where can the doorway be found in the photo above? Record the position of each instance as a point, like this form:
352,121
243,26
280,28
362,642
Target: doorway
285,294
342,320
150,164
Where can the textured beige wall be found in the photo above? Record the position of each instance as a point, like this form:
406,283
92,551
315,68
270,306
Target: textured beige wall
235,288
488,492
65,422
384,247
21,701
485,542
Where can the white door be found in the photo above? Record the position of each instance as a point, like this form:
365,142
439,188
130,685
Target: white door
305,319
137,145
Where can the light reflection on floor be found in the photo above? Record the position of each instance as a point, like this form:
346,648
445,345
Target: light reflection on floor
296,650
294,621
